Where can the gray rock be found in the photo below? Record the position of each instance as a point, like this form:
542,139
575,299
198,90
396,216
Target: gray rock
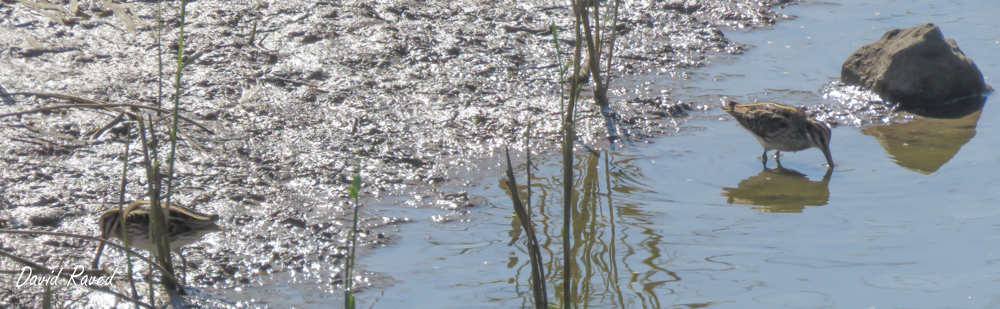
916,67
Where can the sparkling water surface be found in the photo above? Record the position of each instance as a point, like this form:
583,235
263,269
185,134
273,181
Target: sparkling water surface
908,219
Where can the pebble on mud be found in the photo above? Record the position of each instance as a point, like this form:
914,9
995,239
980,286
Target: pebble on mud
45,220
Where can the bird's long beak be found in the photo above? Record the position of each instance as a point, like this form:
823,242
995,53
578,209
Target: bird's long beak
829,158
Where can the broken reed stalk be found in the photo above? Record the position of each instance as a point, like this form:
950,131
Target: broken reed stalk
94,104
593,50
534,253
354,190
47,297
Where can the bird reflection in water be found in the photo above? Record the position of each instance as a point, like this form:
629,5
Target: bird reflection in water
780,190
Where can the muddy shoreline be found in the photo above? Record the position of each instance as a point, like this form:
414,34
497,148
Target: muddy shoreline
293,91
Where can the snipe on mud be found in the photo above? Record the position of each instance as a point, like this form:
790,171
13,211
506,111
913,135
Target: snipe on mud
184,226
782,128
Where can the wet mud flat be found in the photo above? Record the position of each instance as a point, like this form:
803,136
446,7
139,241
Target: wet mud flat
289,94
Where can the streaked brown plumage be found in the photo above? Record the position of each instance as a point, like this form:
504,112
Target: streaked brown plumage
782,128
185,226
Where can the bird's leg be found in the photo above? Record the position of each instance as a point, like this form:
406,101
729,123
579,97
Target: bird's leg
97,256
763,159
185,265
776,157
149,275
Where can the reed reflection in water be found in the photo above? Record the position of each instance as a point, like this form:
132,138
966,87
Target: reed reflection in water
619,258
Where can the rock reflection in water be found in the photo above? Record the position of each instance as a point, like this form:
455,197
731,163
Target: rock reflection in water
925,144
780,190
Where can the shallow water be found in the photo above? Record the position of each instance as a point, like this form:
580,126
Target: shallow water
907,219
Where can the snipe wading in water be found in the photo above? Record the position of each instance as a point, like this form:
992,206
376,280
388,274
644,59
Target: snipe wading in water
782,128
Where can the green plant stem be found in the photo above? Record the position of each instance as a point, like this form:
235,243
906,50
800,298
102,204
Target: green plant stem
611,44
121,201
355,191
567,213
349,281
153,180
527,154
149,181
164,247
159,53
177,103
569,136
562,69
158,225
